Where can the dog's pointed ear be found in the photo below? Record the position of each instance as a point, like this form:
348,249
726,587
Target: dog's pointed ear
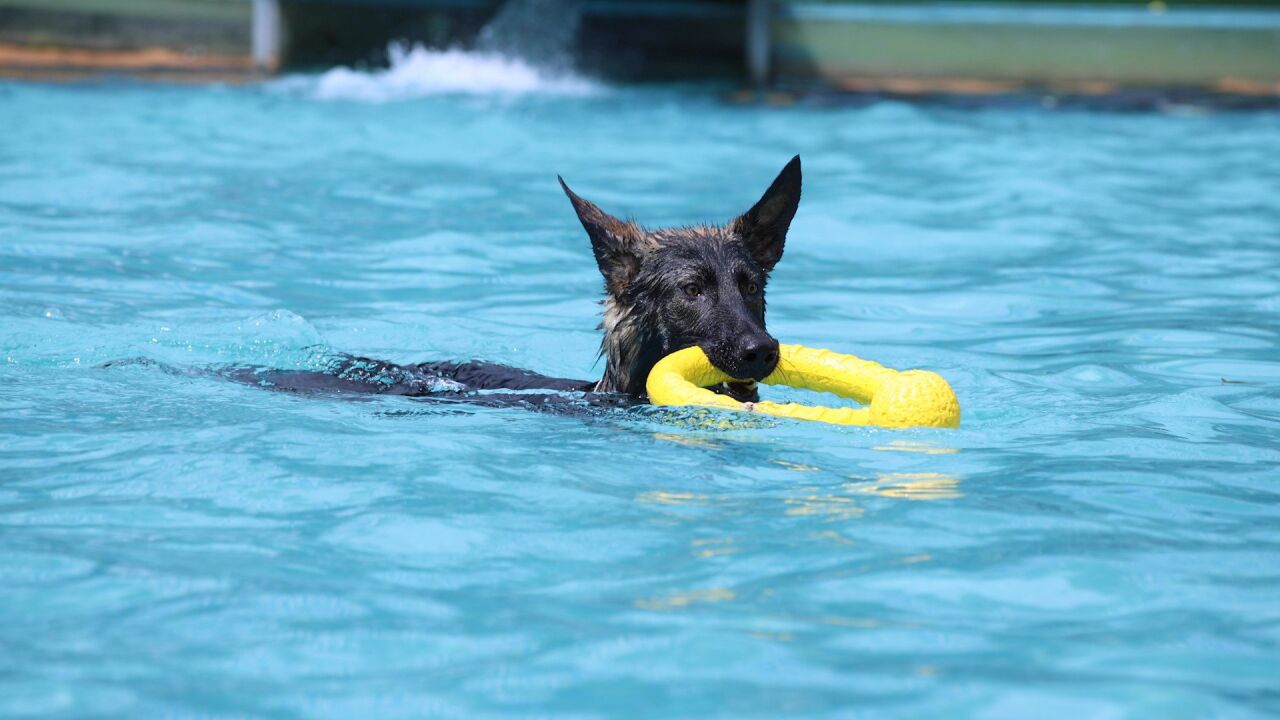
618,245
764,227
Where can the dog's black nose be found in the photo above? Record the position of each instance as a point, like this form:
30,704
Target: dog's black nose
759,356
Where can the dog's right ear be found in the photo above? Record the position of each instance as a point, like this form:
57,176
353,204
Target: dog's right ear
618,245
764,227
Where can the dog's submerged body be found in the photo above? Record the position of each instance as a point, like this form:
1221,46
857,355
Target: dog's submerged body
665,290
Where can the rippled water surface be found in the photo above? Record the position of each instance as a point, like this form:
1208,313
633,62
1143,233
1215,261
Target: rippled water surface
1100,539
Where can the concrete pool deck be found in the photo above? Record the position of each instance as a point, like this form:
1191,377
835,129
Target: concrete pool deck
991,48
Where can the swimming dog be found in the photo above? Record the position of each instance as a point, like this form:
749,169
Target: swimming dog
665,290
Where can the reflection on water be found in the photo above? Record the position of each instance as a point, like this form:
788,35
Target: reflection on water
917,446
798,467
714,547
690,440
828,508
664,497
910,486
685,599
831,536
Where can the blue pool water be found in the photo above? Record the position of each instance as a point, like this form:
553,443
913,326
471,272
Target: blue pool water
1099,539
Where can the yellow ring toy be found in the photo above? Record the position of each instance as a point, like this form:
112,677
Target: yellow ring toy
896,399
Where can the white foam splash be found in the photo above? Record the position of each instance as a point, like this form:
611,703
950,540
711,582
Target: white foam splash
420,72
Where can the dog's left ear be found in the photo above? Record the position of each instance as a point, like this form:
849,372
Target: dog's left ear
764,227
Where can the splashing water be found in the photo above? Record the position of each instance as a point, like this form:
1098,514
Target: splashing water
541,32
525,49
417,71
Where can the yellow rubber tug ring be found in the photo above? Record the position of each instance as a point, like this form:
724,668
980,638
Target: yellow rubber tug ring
896,399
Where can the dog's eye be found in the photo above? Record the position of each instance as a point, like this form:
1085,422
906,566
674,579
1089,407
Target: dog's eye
692,290
750,288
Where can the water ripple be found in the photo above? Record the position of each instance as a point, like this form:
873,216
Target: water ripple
1097,539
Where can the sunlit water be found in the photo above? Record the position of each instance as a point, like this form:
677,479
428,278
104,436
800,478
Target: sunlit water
1099,539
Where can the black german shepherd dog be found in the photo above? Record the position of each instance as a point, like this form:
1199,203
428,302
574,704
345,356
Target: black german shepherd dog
665,290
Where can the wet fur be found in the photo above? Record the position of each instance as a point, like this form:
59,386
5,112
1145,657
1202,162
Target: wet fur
647,314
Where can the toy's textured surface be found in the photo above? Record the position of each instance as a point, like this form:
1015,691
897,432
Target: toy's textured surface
911,398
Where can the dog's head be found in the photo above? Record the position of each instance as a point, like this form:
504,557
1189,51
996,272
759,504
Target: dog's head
701,285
